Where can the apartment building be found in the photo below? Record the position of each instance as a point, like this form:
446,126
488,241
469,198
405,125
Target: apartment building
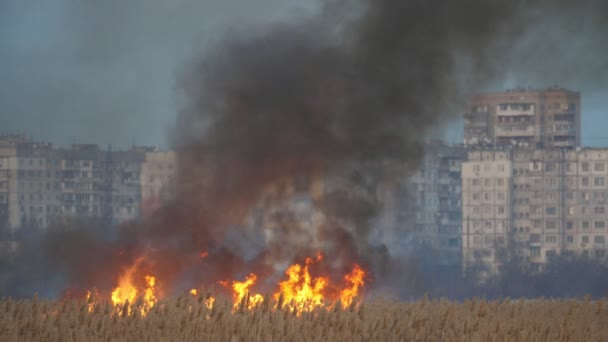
157,179
432,201
529,205
27,187
532,118
40,184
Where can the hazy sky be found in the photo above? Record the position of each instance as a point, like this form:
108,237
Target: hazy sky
104,71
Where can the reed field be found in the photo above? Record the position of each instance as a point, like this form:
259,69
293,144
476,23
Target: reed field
190,318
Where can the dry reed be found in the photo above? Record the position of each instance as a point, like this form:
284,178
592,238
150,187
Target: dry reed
189,319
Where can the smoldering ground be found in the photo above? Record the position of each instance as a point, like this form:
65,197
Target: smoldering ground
313,114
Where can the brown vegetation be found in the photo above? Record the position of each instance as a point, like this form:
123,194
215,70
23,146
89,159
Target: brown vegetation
189,318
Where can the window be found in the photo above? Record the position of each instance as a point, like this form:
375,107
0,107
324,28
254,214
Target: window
571,211
598,181
600,239
500,196
585,239
569,225
585,224
500,182
535,238
535,251
550,210
476,168
501,168
570,239
599,210
487,182
600,224
585,167
551,225
551,239
585,181
501,210
599,167
476,182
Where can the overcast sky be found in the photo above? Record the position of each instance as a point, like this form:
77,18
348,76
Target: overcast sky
104,71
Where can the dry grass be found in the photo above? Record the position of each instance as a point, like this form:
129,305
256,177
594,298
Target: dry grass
188,319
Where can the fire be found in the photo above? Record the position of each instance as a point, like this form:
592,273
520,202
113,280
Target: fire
126,293
241,294
355,278
203,254
300,292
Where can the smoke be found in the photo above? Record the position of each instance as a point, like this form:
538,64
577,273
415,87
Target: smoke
287,134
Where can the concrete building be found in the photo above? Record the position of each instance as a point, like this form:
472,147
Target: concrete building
40,184
524,118
99,184
529,205
158,176
432,200
27,186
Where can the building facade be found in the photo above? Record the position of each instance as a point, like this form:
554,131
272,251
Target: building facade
430,208
157,179
40,185
529,205
524,118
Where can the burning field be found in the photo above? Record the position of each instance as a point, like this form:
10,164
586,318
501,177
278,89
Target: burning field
290,143
299,292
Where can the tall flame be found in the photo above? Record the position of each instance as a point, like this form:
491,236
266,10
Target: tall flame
241,294
355,279
126,293
300,292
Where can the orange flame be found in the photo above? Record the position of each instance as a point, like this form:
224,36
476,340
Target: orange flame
355,278
241,293
300,292
126,293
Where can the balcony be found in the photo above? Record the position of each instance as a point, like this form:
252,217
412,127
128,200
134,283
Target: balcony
515,109
514,130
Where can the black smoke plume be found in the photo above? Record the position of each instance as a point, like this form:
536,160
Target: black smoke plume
287,133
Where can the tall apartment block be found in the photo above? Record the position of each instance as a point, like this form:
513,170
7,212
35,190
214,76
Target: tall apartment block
40,184
542,118
157,179
529,205
431,206
28,190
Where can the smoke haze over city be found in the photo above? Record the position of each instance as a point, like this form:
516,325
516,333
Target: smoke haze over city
264,106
